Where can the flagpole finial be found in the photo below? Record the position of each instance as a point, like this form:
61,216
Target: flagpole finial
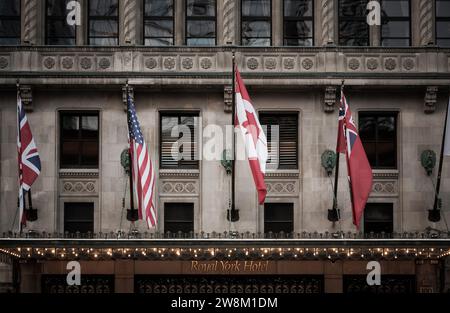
17,83
342,84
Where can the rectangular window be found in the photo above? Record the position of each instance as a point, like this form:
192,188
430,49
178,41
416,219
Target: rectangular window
353,27
378,133
443,23
158,22
395,23
10,22
79,140
282,139
200,22
378,217
104,22
298,22
178,217
78,217
178,140
57,31
278,217
256,22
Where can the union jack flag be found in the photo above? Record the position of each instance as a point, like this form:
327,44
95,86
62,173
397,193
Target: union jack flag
28,157
142,171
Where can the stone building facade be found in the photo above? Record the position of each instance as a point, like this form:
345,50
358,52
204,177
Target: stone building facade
409,82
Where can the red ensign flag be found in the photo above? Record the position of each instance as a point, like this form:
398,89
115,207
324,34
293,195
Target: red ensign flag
254,138
358,167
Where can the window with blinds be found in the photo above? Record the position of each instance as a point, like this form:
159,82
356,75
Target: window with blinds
179,140
282,139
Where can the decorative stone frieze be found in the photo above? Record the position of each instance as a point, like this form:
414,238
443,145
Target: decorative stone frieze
228,98
329,99
282,188
178,187
26,95
430,99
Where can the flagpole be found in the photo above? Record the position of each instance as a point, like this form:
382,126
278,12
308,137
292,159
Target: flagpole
130,163
434,214
233,214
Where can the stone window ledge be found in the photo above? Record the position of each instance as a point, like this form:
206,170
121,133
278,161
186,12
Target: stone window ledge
79,172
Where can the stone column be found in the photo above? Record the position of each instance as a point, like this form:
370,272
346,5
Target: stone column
277,23
124,276
425,22
179,31
30,31
228,17
129,20
327,18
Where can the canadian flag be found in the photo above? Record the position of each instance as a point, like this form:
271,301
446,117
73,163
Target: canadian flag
253,135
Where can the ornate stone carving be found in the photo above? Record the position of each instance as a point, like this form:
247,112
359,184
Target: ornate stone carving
179,187
270,63
384,188
30,21
307,64
206,63
353,64
227,98
26,95
372,64
151,63
78,186
408,64
104,63
390,64
78,174
3,62
430,99
85,63
426,22
129,21
288,63
229,22
169,63
252,63
327,17
329,99
187,63
49,63
178,173
281,187
67,63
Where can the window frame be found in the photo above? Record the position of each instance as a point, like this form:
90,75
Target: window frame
79,114
348,19
191,222
57,18
256,19
179,114
158,18
13,18
297,19
377,114
102,18
396,19
199,18
289,205
440,19
90,203
375,204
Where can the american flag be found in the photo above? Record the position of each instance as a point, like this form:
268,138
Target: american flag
142,171
28,157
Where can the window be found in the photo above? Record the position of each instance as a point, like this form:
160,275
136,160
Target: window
298,22
158,22
200,22
178,141
79,140
256,22
353,27
378,217
443,23
10,22
278,217
103,22
57,31
179,217
79,217
282,139
378,132
395,23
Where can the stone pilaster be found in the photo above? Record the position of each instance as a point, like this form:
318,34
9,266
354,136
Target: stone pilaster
229,22
30,22
130,9
327,18
426,22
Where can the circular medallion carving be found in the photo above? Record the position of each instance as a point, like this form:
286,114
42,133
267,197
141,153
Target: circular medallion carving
3,62
151,63
288,63
390,64
353,64
67,63
252,63
187,63
307,64
78,187
90,187
178,187
167,187
86,63
206,63
190,187
271,63
67,186
49,63
104,63
372,64
408,64
169,63
389,187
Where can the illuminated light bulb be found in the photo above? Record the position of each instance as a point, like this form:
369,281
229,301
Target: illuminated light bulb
95,255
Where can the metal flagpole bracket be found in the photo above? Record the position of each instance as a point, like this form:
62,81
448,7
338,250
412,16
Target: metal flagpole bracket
127,91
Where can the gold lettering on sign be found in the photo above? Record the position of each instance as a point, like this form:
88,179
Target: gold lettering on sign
229,266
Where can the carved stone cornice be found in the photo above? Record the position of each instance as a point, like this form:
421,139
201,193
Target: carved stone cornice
179,173
78,173
385,174
281,174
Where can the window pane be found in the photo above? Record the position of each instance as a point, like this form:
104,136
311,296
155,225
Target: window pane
158,7
298,8
378,217
103,7
57,7
278,217
256,8
70,151
178,217
200,41
201,7
386,128
298,29
397,8
257,42
59,28
395,42
395,29
78,217
10,28
89,153
103,28
443,42
442,8
10,8
298,42
71,122
367,128
353,8
158,41
443,29
158,28
256,29
201,28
